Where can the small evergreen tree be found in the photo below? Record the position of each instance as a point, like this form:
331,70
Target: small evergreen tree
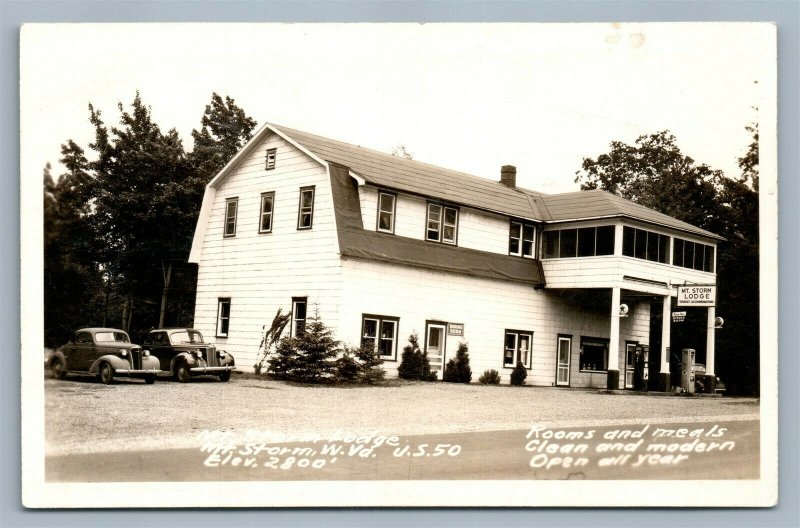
283,361
457,369
519,374
317,351
347,368
426,374
410,361
490,377
450,374
414,363
370,365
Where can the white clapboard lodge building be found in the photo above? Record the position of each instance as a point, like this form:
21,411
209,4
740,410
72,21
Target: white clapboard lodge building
383,246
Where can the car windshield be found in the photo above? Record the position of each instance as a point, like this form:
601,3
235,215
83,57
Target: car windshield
185,336
111,337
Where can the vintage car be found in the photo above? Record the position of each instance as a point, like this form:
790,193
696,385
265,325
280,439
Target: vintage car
183,352
700,380
104,352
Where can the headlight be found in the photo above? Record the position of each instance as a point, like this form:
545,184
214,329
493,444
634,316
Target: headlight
198,353
146,353
123,352
221,353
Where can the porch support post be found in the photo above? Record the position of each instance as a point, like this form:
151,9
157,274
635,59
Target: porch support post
710,381
612,378
666,324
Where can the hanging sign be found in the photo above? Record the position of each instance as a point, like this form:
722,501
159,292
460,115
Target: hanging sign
455,329
697,295
678,317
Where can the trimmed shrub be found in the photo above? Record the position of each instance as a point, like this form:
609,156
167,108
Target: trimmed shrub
490,377
414,363
347,368
519,374
457,369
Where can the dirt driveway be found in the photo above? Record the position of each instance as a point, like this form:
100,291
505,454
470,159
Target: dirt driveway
84,416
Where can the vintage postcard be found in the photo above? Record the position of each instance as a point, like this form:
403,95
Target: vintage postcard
399,265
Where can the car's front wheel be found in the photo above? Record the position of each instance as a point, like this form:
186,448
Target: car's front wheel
58,368
106,374
225,376
182,373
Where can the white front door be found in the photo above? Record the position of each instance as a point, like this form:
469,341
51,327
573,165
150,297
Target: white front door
434,346
562,361
630,359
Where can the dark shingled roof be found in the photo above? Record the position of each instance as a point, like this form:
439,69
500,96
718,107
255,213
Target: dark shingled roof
596,203
415,177
400,174
357,242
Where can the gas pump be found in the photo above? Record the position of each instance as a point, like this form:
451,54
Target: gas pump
640,373
687,370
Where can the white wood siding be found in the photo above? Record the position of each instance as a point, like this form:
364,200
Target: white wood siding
262,272
486,308
634,327
476,229
608,271
605,272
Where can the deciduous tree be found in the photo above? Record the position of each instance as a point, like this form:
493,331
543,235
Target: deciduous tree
655,173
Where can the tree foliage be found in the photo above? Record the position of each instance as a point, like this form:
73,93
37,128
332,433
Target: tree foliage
112,222
270,337
655,173
224,130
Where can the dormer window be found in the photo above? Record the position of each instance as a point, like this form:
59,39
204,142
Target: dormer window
271,155
521,239
442,224
386,206
305,213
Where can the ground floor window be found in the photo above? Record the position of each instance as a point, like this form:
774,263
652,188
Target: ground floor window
517,348
299,316
223,316
380,333
594,353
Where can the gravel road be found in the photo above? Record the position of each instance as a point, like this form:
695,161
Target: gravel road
84,416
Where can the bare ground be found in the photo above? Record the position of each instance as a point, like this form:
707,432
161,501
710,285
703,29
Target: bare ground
82,415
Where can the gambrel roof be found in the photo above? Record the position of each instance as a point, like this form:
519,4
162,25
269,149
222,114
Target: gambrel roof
383,170
411,176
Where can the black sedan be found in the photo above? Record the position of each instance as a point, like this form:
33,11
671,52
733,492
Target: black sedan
182,352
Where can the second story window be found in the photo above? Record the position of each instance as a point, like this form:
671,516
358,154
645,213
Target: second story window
521,239
231,204
693,255
583,242
271,155
442,224
386,204
305,214
267,205
645,245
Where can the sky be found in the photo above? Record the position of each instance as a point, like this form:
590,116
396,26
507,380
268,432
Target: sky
468,97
